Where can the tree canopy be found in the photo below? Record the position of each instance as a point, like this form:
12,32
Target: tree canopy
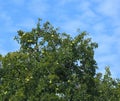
54,66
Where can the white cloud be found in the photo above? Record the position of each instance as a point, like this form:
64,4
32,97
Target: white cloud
71,26
7,22
2,50
98,27
27,24
63,2
37,7
7,44
18,2
108,52
109,8
5,18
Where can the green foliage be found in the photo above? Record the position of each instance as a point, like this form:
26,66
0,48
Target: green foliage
53,66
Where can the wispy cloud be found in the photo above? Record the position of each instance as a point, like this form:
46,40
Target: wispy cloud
37,7
26,24
108,52
2,50
18,2
109,8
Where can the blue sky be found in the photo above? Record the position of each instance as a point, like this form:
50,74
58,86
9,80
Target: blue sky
101,19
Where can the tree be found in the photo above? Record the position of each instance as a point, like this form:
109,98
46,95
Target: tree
50,66
107,87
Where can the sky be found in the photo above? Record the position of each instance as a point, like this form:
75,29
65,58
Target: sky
100,18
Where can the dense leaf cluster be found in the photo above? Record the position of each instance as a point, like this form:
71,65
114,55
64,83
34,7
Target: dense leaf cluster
53,66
